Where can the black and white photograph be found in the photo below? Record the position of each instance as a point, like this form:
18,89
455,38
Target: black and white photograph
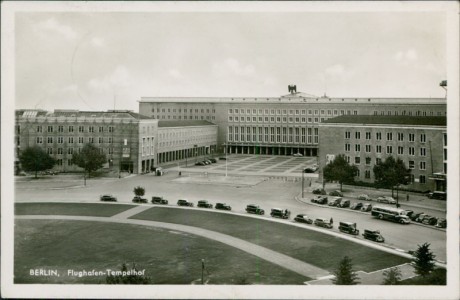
230,150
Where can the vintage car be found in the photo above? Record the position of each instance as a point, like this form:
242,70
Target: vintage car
356,206
183,202
437,195
303,218
139,199
386,199
319,200
373,235
335,201
336,193
323,222
280,213
364,197
366,207
344,203
429,220
223,206
159,200
108,197
319,192
204,204
442,223
348,227
254,209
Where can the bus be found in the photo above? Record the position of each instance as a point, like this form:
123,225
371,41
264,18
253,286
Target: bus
391,214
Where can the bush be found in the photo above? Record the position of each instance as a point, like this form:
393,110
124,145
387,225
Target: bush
139,191
437,277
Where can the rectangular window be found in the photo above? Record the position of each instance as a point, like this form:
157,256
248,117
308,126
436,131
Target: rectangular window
368,160
50,128
422,138
411,137
303,136
230,133
39,129
284,134
260,134
60,128
39,140
422,165
422,179
50,151
357,160
347,147
50,140
411,151
368,135
389,136
357,147
367,174
411,164
70,128
378,135
389,149
81,129
422,151
70,150
59,151
315,135
60,139
248,134
378,161
266,134
400,150
101,129
357,135
80,140
91,140
347,134
91,129
368,148
101,140
400,136
309,136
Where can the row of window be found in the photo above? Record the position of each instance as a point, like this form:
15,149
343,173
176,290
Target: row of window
72,128
273,135
187,133
185,110
421,178
71,140
408,113
389,149
276,119
368,162
389,136
174,117
71,151
316,112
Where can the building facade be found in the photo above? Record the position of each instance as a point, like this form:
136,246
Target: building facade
185,139
119,134
280,126
421,143
131,142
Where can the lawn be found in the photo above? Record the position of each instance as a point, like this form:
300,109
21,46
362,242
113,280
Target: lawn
70,209
322,250
169,257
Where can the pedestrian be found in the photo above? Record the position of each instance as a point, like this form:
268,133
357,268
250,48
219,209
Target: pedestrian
332,221
407,197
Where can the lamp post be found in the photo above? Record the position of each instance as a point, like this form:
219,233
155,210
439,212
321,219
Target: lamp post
303,179
202,271
226,170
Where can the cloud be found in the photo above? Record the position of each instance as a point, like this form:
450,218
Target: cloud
119,78
406,57
176,74
51,25
231,66
97,42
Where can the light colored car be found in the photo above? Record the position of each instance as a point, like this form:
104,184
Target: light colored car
386,199
364,197
366,207
297,155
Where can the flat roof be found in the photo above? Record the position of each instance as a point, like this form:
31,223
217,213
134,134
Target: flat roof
398,120
292,99
124,114
182,123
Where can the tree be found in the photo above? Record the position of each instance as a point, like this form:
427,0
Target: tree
139,191
35,159
423,260
90,158
125,276
392,276
390,173
340,170
344,274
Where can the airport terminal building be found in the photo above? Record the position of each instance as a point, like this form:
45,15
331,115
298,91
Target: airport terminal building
280,126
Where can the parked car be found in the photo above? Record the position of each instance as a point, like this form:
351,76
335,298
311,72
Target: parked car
213,160
297,154
356,206
335,201
319,200
108,197
207,162
254,209
303,218
348,227
223,206
204,204
429,220
183,202
373,235
222,158
139,199
309,170
280,213
409,212
319,192
415,216
437,195
344,203
366,207
336,193
442,223
200,163
159,200
386,199
322,222
364,197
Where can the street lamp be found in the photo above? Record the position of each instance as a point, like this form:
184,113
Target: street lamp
202,271
303,179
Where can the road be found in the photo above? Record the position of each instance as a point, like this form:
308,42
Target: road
267,194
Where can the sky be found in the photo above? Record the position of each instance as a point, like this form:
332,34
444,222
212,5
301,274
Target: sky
107,60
